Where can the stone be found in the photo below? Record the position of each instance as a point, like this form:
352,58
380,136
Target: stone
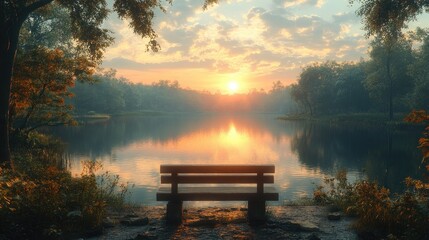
74,214
335,216
135,221
304,226
108,223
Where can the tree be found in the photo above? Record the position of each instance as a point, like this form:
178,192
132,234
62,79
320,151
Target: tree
315,89
86,18
418,98
386,19
387,71
48,66
41,87
351,96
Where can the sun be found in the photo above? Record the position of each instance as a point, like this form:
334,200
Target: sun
232,86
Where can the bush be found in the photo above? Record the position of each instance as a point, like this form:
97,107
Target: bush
405,215
39,200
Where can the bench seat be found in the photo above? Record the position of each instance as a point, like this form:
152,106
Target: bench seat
217,194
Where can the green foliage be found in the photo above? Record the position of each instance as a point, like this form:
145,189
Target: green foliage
394,78
387,72
41,201
387,18
405,215
418,97
331,87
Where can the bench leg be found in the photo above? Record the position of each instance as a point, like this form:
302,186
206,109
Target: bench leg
174,211
256,211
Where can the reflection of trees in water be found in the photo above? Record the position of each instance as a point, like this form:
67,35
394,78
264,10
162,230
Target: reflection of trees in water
385,156
99,139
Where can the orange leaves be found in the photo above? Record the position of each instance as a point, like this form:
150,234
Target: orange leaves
41,85
417,116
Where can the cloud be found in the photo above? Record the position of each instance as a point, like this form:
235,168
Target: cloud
246,38
293,3
124,63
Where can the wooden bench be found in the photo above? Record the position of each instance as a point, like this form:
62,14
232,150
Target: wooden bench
232,175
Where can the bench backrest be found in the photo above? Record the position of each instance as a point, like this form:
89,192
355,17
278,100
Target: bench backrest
223,174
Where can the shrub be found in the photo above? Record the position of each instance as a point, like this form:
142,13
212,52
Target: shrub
40,200
405,215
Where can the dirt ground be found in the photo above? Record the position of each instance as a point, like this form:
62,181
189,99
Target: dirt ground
283,222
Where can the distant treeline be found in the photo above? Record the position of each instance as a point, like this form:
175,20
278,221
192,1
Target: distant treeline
331,88
109,94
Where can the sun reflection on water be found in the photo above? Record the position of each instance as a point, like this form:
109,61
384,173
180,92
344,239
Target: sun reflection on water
232,142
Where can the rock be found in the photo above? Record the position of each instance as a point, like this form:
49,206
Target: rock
335,216
108,223
243,209
132,215
304,226
135,221
74,214
234,209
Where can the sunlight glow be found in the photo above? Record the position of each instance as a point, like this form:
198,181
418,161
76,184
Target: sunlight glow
232,87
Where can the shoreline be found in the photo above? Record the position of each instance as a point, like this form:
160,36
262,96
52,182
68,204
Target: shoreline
283,222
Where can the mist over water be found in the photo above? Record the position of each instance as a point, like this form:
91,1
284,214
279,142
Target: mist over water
302,152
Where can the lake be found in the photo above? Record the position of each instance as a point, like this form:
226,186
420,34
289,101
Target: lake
303,153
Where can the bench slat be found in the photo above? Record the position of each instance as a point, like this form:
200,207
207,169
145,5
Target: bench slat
217,168
217,194
204,179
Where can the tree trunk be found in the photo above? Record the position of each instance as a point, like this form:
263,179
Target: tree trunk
389,79
9,43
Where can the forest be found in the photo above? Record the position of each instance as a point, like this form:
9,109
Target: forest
331,88
112,95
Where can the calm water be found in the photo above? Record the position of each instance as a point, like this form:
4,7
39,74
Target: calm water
303,153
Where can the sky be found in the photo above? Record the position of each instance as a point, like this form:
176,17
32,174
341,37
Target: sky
239,45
